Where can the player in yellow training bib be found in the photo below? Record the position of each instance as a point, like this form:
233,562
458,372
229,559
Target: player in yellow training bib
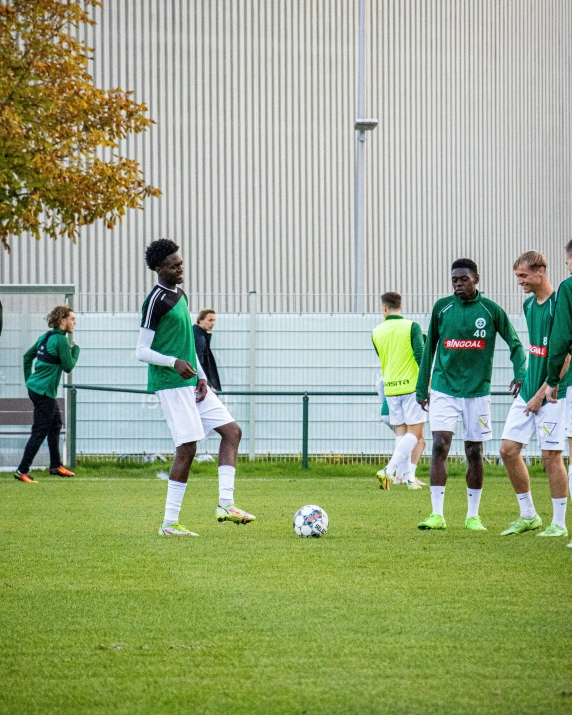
399,346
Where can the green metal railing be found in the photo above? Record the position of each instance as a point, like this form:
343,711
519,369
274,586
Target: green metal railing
305,395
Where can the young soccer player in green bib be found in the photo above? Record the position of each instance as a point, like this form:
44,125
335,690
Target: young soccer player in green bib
192,410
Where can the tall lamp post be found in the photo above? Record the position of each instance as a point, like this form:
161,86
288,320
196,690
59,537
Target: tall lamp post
361,126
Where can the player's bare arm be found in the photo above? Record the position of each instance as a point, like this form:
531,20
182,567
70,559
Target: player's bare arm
535,403
551,393
185,369
514,387
201,389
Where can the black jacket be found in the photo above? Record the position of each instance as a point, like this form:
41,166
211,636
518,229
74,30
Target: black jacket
206,357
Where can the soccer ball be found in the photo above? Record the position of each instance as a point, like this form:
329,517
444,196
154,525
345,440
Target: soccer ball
310,520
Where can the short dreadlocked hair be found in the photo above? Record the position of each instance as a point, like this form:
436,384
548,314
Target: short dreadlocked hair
466,263
159,250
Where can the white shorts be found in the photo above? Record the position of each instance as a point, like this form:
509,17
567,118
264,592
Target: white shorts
385,420
189,420
549,423
569,411
405,410
445,410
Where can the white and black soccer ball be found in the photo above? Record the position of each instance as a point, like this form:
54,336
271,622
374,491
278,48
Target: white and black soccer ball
310,520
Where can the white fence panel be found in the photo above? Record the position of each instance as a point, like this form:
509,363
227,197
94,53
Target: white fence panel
294,352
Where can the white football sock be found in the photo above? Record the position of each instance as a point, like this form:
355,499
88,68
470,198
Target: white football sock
570,480
527,510
400,470
410,472
226,485
400,474
175,494
559,511
402,453
473,501
437,499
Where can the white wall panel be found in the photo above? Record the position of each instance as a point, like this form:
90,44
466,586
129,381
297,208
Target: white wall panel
254,147
313,352
471,155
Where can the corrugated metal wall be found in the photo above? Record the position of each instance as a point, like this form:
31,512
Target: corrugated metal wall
254,146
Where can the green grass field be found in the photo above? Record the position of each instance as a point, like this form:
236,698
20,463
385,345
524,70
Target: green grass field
98,614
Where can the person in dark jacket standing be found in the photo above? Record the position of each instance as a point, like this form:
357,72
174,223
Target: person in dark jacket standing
203,334
53,355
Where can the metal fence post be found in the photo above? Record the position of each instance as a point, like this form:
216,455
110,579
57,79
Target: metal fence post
305,406
252,410
72,431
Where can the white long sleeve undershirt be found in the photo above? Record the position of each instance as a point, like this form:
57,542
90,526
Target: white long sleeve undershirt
143,353
380,389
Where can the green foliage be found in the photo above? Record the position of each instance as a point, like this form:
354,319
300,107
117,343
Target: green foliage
100,615
54,124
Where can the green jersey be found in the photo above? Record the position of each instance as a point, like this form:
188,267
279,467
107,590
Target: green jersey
45,379
166,312
461,338
539,319
561,337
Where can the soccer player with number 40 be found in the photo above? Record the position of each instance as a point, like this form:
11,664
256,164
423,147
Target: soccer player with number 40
462,333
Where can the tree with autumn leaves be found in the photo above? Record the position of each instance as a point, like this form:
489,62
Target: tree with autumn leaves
59,134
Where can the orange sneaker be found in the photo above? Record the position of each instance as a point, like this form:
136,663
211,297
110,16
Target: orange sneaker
22,477
61,471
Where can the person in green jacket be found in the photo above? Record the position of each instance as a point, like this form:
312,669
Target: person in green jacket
530,412
559,348
560,345
53,355
459,351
